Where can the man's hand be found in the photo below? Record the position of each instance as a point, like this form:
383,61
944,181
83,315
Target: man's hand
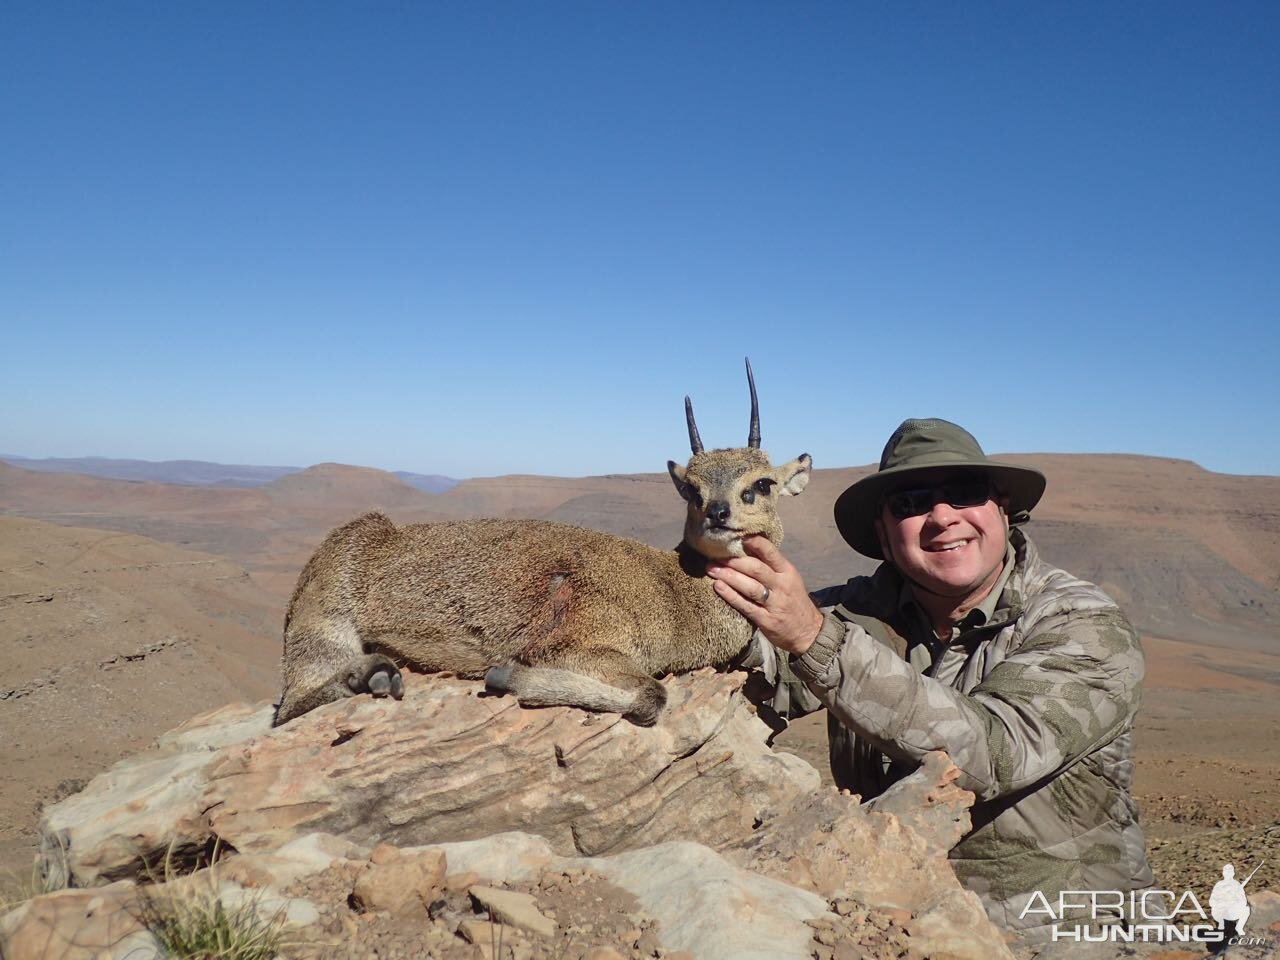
787,617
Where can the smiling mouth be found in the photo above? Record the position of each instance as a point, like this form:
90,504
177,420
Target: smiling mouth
948,547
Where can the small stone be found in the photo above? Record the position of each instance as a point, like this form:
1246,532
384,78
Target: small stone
479,931
900,917
384,853
406,882
516,909
647,944
461,882
603,953
827,936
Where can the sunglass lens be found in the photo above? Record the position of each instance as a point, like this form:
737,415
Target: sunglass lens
909,503
966,493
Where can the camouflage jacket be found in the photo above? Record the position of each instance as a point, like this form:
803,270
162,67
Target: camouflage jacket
1036,709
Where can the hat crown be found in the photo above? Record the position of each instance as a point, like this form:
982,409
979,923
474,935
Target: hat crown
923,443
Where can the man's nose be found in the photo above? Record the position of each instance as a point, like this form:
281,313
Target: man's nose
718,511
942,513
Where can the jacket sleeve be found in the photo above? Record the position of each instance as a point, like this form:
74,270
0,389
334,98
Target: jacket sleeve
1072,685
791,698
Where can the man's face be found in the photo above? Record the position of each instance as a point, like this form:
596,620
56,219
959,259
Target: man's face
952,551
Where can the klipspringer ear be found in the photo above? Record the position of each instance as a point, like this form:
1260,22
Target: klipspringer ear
677,477
794,476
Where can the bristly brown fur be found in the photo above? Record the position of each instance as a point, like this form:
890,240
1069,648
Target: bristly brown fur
554,613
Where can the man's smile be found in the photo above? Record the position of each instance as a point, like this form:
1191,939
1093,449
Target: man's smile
948,546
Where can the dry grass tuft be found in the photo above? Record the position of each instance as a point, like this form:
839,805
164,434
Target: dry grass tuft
196,925
15,890
193,923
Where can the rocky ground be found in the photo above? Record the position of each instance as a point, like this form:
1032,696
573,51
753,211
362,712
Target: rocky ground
346,768
583,911
450,825
1208,797
590,919
1208,783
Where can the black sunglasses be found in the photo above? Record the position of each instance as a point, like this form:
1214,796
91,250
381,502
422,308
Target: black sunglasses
959,493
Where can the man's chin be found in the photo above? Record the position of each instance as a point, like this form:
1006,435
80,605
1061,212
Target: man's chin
955,588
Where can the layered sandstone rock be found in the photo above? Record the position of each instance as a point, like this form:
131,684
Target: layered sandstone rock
399,826
447,763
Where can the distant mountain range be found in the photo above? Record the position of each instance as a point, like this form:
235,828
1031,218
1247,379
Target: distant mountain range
201,473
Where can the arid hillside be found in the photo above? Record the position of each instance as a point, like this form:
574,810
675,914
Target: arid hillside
106,640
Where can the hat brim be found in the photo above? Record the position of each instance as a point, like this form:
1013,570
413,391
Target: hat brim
857,508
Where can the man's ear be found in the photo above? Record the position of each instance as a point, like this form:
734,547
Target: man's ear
677,477
794,476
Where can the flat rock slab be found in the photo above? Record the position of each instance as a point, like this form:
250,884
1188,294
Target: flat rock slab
515,909
712,908
448,763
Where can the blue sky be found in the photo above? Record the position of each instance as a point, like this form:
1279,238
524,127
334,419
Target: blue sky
486,238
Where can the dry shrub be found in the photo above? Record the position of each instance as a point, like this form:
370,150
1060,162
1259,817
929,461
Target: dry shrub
193,923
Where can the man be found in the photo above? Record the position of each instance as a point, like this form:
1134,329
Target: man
963,640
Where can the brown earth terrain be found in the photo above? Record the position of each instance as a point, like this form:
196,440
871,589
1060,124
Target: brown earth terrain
106,640
126,607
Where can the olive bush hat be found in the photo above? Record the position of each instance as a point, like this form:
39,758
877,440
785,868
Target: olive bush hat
926,445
